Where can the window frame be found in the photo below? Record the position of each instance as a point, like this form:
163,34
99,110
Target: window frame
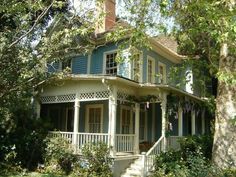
89,106
149,58
165,73
124,107
145,126
105,59
140,68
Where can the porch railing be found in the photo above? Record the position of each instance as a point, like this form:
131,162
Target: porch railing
149,157
90,138
124,142
66,135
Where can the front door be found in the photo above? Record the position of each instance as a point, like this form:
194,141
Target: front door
94,118
126,120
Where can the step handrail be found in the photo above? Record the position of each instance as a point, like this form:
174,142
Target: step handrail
149,157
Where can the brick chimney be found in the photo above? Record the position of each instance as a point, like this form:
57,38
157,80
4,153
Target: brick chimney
109,8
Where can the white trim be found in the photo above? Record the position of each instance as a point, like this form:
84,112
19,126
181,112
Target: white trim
164,70
104,60
180,121
189,81
87,116
153,69
193,122
140,60
131,118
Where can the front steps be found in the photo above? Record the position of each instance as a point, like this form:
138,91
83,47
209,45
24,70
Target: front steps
135,169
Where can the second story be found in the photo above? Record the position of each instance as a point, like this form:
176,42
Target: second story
144,66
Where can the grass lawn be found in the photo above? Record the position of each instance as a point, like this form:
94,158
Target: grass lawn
32,174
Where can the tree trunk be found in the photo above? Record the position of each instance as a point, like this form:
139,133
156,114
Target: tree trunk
224,146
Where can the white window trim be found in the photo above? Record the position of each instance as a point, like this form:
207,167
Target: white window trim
145,127
140,67
104,60
131,118
153,68
164,70
87,116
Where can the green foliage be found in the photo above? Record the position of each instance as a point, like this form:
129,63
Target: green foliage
60,159
98,160
59,155
192,160
196,145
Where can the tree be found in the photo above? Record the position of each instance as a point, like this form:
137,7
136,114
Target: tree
207,28
205,31
31,38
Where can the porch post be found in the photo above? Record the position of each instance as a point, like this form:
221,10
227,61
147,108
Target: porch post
38,109
76,120
112,120
180,121
193,118
136,140
163,117
203,121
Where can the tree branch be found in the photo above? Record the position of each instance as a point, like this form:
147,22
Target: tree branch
32,28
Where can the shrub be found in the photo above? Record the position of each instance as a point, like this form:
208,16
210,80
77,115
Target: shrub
196,144
59,156
97,158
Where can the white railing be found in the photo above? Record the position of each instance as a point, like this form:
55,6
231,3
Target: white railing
66,135
173,143
124,143
90,138
149,157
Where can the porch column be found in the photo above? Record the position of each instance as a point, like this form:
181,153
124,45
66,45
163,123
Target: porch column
112,120
163,117
203,121
180,121
193,121
136,140
76,120
38,109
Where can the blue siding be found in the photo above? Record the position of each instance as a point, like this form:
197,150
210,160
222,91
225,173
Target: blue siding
157,58
79,65
97,58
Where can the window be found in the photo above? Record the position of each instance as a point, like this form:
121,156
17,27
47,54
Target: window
126,120
137,67
66,64
142,126
94,118
150,70
162,73
111,64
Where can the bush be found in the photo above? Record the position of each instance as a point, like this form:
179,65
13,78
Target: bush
59,156
96,160
61,159
196,144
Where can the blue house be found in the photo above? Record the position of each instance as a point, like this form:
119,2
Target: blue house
130,106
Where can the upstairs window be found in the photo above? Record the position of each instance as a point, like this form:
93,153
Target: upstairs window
150,70
66,64
162,73
111,64
137,68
